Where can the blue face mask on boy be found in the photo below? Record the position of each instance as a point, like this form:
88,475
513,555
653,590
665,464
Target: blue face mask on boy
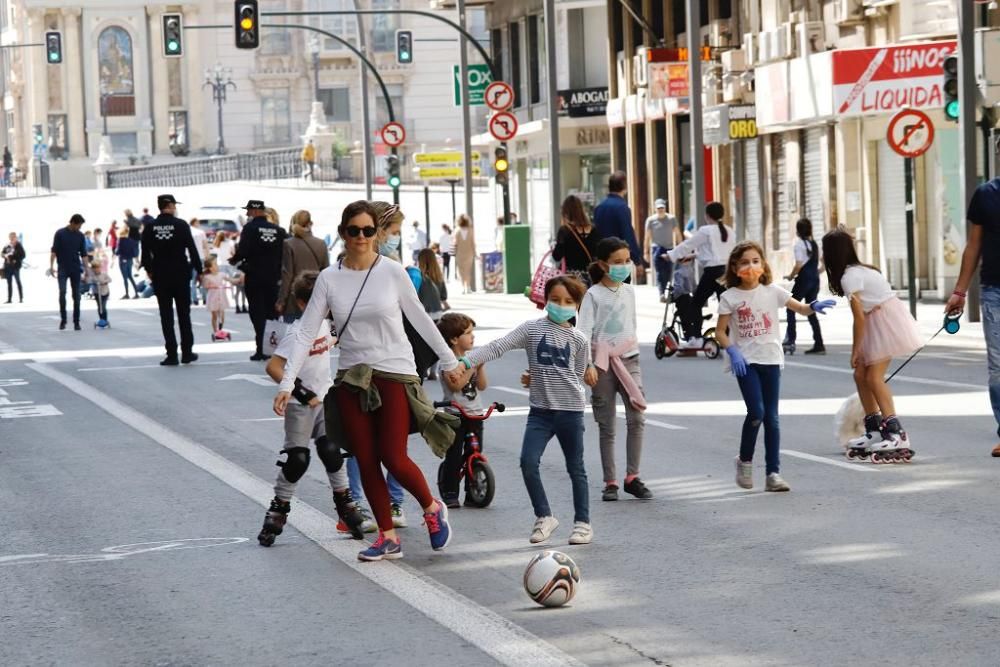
619,272
560,314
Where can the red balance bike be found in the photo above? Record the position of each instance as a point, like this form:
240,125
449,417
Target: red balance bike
480,484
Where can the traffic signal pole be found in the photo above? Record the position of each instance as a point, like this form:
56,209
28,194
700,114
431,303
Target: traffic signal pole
967,95
555,172
466,125
366,156
695,108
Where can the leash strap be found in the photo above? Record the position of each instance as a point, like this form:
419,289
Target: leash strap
910,358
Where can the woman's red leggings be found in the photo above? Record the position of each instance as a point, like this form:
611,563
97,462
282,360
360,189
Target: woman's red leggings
379,438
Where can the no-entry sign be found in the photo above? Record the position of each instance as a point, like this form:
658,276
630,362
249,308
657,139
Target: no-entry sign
393,134
910,133
503,126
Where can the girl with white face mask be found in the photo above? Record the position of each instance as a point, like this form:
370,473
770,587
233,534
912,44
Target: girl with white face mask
607,319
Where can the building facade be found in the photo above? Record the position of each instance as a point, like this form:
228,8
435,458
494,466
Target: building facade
114,75
798,97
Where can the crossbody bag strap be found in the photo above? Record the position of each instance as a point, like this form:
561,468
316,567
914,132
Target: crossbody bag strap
319,264
580,241
340,264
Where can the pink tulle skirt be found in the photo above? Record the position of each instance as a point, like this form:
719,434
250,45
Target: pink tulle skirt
890,331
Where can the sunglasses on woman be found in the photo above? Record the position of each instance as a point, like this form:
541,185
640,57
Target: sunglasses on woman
354,231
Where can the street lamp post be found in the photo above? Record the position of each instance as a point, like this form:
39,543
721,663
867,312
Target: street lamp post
219,79
104,110
314,48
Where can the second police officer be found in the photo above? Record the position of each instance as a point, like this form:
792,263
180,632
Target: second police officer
168,255
259,255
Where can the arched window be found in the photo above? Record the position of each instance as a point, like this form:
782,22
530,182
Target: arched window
117,73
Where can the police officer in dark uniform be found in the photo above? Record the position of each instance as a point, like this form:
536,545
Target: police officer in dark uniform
258,254
168,255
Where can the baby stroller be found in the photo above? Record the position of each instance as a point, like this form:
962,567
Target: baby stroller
680,292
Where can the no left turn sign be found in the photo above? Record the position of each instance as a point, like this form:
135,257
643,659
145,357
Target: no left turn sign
499,96
393,134
910,133
503,126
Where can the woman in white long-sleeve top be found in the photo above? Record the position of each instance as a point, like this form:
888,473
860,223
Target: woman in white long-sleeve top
711,243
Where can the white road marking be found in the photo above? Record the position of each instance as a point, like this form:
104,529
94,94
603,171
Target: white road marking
899,378
262,380
493,634
104,353
857,467
138,366
121,551
621,410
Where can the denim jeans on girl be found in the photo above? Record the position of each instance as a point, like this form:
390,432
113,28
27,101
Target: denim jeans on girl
567,426
760,388
354,478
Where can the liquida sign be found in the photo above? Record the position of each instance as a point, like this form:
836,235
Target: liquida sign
887,79
581,102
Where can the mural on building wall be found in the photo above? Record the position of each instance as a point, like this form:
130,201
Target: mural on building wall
114,53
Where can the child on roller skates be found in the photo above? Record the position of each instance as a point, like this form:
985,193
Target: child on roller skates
883,329
458,330
558,357
216,300
753,347
608,320
102,291
304,420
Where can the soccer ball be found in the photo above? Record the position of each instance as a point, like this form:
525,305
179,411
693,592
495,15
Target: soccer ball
551,578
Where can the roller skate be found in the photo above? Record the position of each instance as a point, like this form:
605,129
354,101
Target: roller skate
861,447
788,347
895,445
220,335
349,515
274,521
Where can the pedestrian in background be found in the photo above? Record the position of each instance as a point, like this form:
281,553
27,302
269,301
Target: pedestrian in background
662,234
465,253
445,245
576,240
258,255
8,167
754,354
102,290
169,256
805,273
309,160
133,225
608,320
558,355
69,247
433,292
13,258
419,241
201,243
613,217
983,241
127,251
300,252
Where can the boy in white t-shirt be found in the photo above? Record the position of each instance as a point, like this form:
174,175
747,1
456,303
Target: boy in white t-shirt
755,356
305,421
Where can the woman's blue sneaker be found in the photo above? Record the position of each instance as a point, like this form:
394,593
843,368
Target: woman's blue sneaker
437,527
382,549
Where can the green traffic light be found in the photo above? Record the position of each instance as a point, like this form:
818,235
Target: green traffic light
53,56
951,110
394,182
172,46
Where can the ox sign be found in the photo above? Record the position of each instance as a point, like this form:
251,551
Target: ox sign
580,102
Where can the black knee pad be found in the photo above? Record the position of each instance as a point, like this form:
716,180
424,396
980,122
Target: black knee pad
296,464
329,454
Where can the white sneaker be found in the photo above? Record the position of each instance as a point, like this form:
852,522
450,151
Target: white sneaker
744,474
398,517
582,533
368,525
695,343
542,530
775,483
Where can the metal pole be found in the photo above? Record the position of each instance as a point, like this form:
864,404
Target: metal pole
104,112
555,173
454,213
366,161
219,91
427,213
911,252
466,125
316,76
967,93
695,106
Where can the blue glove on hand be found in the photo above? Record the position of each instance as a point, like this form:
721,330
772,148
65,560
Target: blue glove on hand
822,306
737,361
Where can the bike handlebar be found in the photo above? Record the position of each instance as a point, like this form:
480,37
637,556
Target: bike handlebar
499,407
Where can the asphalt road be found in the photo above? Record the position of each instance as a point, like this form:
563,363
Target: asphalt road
133,494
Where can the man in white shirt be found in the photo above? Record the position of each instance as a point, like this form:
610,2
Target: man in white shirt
201,243
418,241
661,235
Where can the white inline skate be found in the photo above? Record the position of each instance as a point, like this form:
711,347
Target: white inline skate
860,448
892,447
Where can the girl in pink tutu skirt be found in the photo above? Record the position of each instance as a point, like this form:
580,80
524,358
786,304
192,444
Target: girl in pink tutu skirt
216,301
883,329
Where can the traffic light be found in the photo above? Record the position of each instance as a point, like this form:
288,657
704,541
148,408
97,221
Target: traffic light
950,87
37,135
53,47
501,166
404,47
247,25
393,168
172,32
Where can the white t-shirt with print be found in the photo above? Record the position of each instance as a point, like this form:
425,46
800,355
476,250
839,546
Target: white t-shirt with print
315,372
871,286
753,326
